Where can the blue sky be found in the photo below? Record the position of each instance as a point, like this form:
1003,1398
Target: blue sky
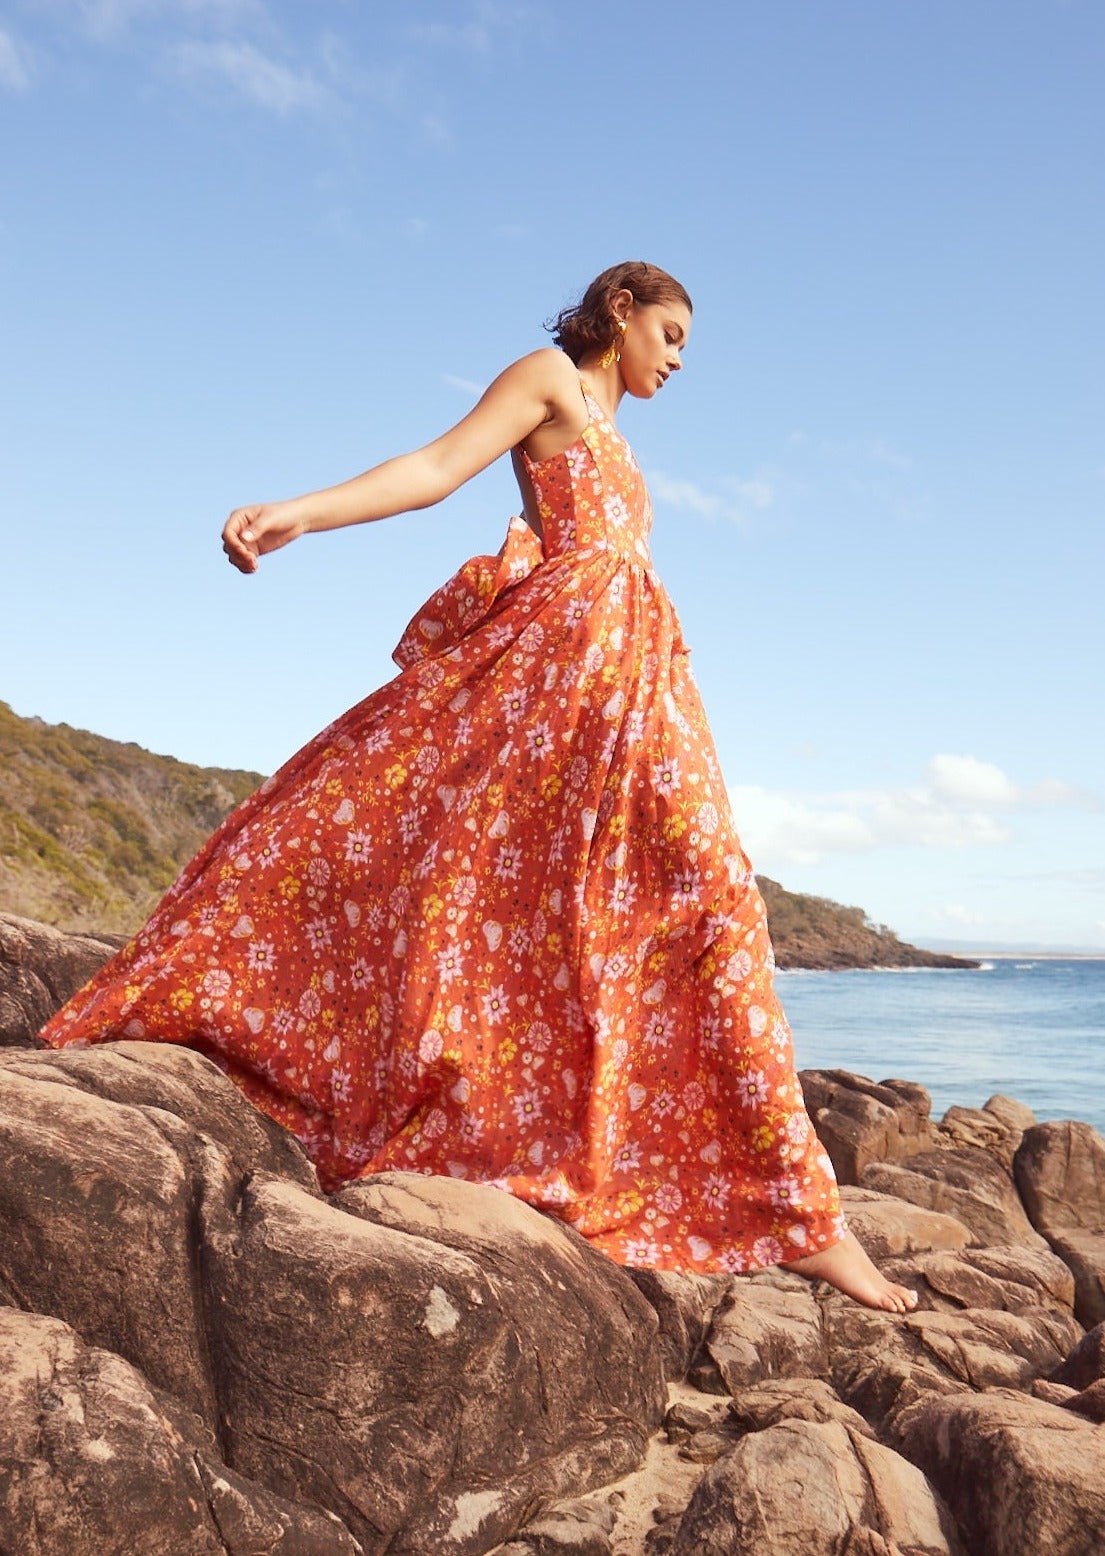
250,249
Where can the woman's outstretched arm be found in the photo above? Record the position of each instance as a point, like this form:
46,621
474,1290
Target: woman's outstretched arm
515,402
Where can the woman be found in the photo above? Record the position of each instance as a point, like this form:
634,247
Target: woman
495,920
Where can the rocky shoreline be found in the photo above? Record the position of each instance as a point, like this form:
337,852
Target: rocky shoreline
202,1353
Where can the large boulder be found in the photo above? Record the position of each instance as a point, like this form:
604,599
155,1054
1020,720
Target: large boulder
1059,1169
962,1181
859,1120
427,1358
40,967
95,1461
1023,1477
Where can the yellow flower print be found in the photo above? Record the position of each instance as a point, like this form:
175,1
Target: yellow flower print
507,1049
674,827
289,887
763,1138
395,775
180,999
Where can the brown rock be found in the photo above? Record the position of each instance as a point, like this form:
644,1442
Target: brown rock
792,1399
860,1121
819,1488
964,1182
1013,1278
763,1329
1060,1171
984,1129
888,1226
93,1459
1086,1362
882,1363
429,1358
1023,1477
40,967
684,1305
1084,1253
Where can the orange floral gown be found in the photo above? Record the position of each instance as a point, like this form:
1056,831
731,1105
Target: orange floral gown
495,921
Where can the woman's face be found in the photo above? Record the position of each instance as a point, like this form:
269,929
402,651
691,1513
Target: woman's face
653,345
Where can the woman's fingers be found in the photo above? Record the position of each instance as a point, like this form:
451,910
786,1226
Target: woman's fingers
238,532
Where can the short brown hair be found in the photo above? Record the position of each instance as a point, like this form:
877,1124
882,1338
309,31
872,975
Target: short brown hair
589,324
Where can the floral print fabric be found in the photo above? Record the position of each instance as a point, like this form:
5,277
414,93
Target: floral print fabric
495,920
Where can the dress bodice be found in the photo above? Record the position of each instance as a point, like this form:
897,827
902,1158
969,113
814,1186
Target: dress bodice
592,494
592,501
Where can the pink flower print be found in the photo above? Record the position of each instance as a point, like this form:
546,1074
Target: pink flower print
358,847
663,1102
340,1085
694,1095
435,1123
464,891
668,1198
785,1192
753,1089
641,1251
685,886
310,1003
514,705
471,1128
621,896
261,955
715,1191
539,739
430,1046
378,740
616,511
319,934
449,962
508,864
283,1019
768,1250
733,1260
519,939
527,1106
738,966
666,775
217,982
495,1004
658,1030
539,1036
798,1127
627,1158
410,825
318,871
576,614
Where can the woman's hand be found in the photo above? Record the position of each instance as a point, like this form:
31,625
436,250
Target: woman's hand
252,532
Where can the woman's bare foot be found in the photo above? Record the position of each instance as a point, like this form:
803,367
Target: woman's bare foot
847,1266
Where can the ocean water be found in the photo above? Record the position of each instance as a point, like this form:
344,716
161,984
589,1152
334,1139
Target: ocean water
1033,1029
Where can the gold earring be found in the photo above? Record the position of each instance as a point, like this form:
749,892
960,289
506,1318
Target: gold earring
612,354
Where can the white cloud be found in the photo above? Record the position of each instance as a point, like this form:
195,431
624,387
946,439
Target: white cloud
692,498
966,780
957,913
951,810
252,74
104,20
15,63
477,33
